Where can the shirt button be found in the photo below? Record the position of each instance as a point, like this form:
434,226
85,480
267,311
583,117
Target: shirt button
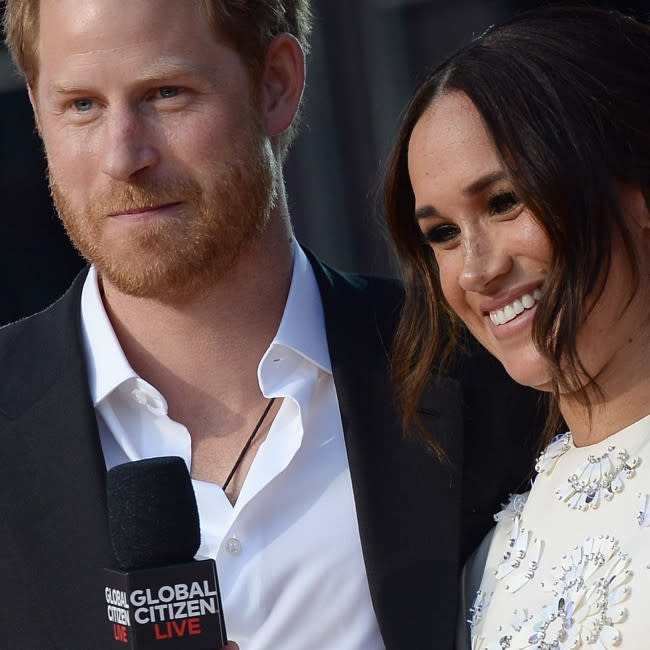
233,546
139,395
156,405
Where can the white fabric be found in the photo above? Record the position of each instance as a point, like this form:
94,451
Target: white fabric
591,587
288,553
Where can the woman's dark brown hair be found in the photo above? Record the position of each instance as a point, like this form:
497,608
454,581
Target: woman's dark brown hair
564,93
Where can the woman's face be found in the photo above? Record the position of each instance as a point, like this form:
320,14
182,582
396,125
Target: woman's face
493,256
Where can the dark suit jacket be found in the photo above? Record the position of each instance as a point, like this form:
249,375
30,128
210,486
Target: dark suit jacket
412,510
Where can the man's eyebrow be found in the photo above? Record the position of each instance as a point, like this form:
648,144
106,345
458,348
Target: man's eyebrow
160,72
64,88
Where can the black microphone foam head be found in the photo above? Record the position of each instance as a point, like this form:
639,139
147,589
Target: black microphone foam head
152,514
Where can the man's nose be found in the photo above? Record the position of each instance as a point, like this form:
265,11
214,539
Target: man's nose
128,145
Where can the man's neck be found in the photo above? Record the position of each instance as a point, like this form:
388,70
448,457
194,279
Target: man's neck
202,354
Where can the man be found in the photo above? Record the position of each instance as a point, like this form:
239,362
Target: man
203,330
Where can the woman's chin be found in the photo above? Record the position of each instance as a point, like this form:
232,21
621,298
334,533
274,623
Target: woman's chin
531,373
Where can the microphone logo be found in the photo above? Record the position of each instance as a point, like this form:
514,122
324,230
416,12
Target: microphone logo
179,606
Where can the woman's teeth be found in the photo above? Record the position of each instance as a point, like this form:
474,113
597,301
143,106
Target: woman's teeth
516,307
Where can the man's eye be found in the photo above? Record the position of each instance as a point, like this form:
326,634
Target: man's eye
441,234
502,202
169,91
83,105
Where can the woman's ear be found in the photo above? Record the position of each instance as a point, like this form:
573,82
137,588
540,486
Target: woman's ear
634,206
283,81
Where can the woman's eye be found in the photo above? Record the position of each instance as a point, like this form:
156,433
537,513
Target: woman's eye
441,234
169,91
83,105
502,203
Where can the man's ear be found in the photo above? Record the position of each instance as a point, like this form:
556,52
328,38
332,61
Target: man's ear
283,81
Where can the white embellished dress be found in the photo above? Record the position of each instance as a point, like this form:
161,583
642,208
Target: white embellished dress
569,563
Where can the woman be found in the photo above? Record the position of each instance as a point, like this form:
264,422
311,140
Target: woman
518,200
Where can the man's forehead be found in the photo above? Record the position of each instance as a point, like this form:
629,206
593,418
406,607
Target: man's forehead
80,16
78,29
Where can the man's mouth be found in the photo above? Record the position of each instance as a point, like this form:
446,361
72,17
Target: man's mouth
144,209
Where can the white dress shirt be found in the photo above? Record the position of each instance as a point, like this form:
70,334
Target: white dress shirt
288,552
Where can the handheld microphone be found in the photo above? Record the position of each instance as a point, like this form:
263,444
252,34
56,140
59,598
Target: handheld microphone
158,596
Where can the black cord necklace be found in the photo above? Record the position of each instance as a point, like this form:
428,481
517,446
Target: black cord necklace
242,453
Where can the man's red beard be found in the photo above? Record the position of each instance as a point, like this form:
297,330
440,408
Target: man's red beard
178,257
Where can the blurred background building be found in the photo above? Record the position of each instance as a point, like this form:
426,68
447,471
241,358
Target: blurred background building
367,58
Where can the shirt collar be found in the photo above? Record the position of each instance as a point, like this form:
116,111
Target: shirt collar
108,367
301,331
302,328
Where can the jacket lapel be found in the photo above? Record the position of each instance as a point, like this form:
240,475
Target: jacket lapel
407,502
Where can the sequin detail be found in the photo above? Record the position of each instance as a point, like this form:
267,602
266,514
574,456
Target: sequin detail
584,609
588,588
558,446
478,607
521,560
513,508
598,478
643,511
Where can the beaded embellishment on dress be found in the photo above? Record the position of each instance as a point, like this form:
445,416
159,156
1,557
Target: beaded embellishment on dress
588,588
481,601
558,446
643,511
521,560
582,592
584,609
598,478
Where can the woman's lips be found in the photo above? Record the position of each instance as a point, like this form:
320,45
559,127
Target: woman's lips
515,308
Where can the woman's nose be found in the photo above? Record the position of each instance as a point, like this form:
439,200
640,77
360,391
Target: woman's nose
484,260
